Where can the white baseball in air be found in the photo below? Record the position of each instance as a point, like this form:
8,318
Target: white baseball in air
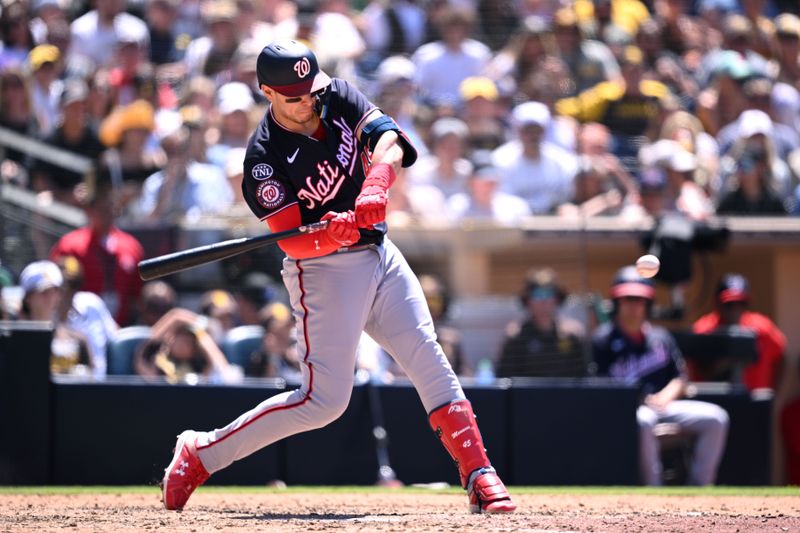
647,266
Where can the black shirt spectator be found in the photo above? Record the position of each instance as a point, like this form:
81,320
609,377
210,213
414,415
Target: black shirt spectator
74,135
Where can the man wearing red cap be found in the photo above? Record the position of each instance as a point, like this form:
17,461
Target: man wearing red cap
733,300
632,350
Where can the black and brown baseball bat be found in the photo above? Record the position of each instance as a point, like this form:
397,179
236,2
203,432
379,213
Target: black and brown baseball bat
175,262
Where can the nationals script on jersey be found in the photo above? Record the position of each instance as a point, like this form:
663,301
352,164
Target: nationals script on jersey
283,168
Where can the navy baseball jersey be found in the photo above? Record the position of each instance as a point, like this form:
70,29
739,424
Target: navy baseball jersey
653,363
283,169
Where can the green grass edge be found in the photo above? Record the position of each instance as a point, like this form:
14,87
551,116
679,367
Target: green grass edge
568,491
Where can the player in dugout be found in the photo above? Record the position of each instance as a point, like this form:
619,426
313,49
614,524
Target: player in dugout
632,350
323,152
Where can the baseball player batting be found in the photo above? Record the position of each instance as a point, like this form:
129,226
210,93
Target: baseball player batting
324,152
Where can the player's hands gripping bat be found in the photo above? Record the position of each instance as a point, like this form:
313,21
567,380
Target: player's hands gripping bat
371,202
342,227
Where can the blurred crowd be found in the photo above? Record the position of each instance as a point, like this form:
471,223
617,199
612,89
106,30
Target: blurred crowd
574,108
628,108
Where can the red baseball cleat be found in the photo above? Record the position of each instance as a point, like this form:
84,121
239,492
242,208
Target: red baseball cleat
487,494
184,474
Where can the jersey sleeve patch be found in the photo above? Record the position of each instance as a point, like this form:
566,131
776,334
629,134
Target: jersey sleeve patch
262,171
270,193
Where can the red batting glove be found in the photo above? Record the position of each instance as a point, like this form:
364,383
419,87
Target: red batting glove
371,202
342,227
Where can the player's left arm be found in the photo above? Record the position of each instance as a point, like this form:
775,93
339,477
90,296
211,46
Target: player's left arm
391,151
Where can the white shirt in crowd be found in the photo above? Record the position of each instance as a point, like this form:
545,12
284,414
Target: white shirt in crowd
99,43
545,182
90,316
440,71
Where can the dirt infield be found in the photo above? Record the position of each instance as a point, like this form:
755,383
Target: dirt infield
395,511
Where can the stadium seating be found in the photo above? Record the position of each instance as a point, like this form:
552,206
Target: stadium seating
240,342
122,348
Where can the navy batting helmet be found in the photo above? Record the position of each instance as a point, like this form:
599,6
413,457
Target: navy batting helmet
733,288
290,68
628,282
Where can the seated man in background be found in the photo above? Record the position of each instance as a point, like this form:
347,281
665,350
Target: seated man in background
733,309
543,344
632,350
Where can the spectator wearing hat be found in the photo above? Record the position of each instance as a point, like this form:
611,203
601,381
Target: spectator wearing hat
629,108
589,61
45,66
87,314
108,255
754,155
211,54
96,34
15,34
220,308
739,37
446,166
787,49
442,65
685,195
42,284
733,311
484,200
183,188
544,343
532,168
757,93
630,349
73,134
129,160
482,113
721,100
234,102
